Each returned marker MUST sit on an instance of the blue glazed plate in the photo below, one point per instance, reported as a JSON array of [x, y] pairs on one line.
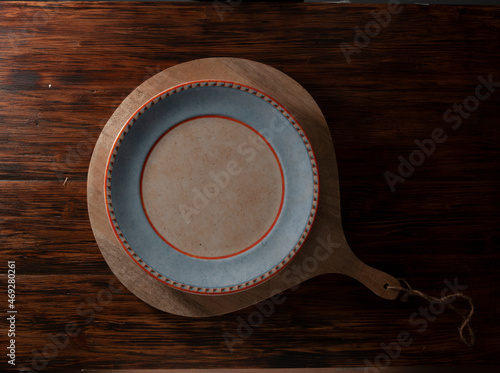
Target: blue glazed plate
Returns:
[[212, 187]]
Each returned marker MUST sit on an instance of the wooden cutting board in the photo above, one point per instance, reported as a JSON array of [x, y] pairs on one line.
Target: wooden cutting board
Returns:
[[325, 250]]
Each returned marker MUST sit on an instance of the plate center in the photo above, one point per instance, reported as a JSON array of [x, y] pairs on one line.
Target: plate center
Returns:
[[212, 187]]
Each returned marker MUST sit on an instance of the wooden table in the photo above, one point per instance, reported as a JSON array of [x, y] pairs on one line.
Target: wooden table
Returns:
[[64, 68]]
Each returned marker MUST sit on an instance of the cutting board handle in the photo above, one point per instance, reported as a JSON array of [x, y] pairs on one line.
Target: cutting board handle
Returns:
[[377, 281]]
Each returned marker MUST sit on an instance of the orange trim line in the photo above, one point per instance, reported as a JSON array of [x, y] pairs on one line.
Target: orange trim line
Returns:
[[243, 250], [106, 184]]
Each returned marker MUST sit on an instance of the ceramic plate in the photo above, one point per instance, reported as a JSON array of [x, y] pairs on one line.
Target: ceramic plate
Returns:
[[212, 187]]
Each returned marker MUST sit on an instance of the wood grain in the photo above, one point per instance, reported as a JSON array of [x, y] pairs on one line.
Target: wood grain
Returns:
[[441, 223]]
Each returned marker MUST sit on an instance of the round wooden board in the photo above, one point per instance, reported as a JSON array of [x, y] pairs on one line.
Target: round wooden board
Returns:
[[325, 251]]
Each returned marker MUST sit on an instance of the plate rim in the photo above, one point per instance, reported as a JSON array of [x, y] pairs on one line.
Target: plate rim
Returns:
[[131, 252]]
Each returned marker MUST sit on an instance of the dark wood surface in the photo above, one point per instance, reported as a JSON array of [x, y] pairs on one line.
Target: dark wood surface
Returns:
[[441, 223]]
